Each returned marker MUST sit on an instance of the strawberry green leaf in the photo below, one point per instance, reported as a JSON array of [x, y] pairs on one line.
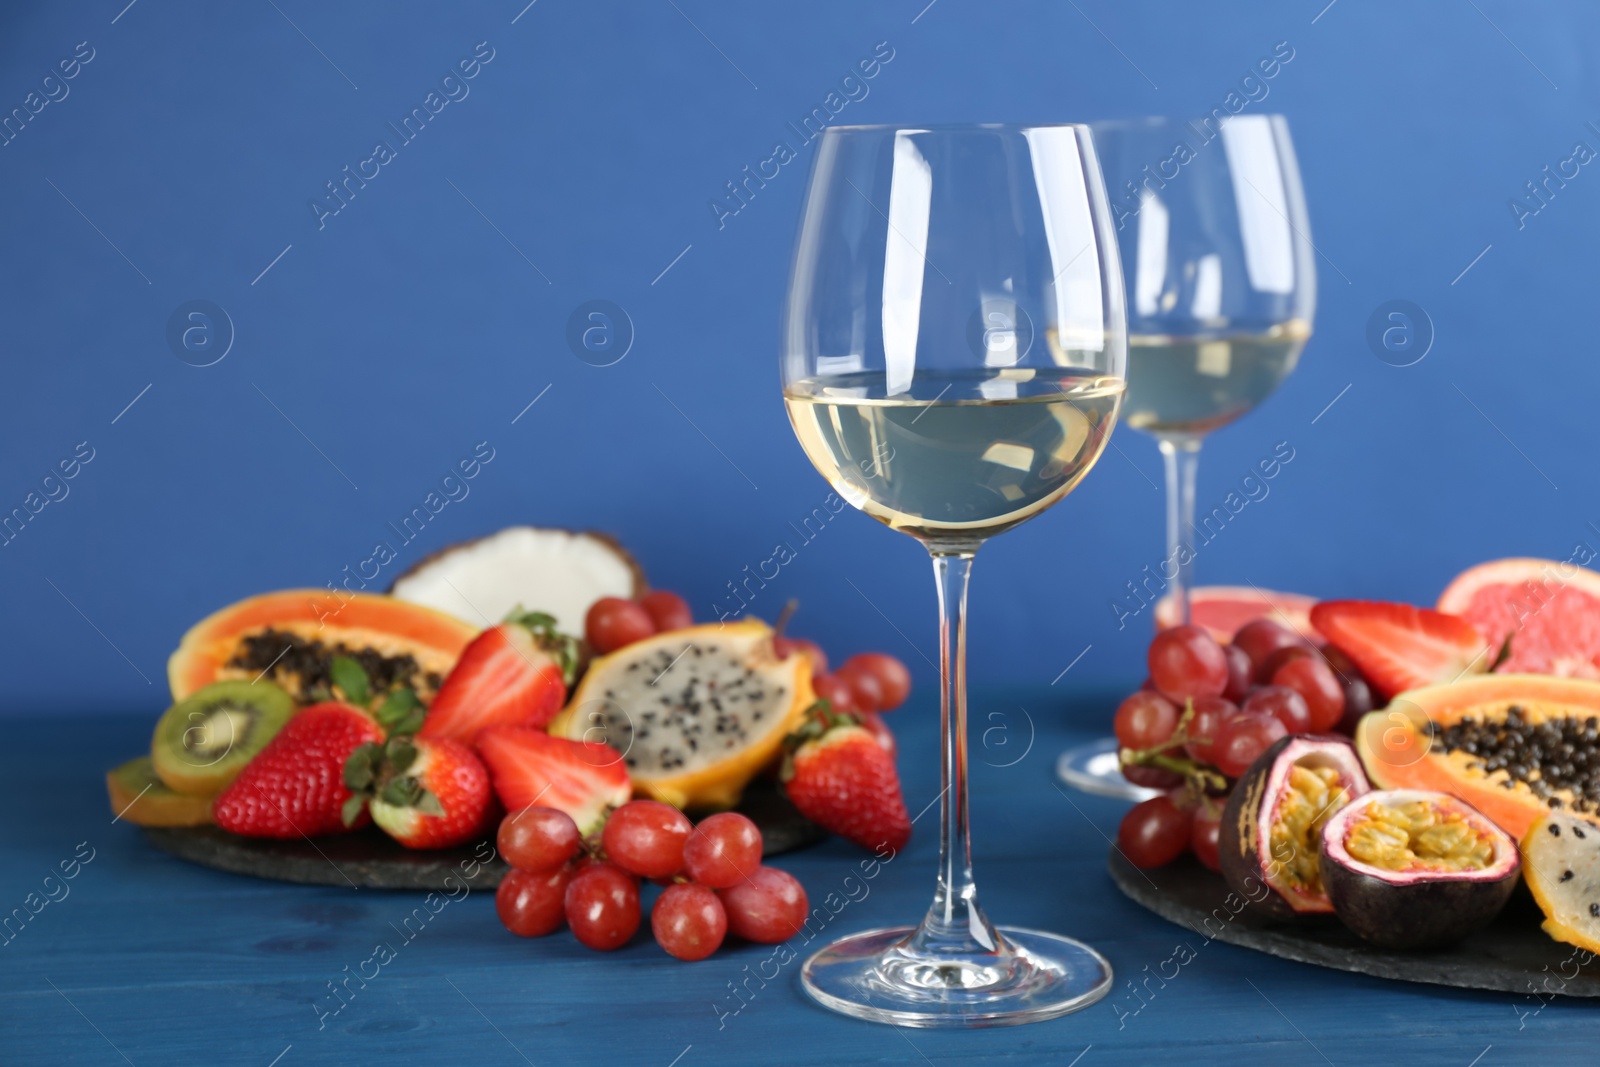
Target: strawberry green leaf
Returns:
[[349, 676], [397, 708], [400, 792], [352, 809], [410, 724], [564, 647], [399, 754], [534, 621], [361, 769]]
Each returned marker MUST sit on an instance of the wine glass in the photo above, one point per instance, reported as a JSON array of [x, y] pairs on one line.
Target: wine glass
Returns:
[[952, 356], [1221, 282]]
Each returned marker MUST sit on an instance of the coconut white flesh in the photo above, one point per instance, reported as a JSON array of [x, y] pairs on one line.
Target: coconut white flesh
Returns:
[[558, 572], [1337, 829], [1574, 846]]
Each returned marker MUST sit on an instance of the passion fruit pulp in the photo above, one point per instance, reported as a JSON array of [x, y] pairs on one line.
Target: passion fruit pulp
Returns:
[[1273, 823], [1409, 868]]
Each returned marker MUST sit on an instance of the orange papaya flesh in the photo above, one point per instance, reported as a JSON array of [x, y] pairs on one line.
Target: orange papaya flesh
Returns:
[[1514, 746], [290, 636]]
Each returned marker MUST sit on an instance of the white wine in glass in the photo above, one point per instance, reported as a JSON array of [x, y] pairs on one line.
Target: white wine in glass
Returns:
[[953, 353], [1189, 386], [971, 453]]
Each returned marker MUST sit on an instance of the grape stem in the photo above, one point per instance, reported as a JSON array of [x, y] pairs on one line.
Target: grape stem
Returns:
[[1196, 775]]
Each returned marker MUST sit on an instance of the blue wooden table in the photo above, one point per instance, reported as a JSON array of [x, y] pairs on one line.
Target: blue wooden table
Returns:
[[143, 959]]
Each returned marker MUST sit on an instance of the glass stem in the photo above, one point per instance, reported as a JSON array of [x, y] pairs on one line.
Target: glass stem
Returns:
[[1182, 460], [955, 923]]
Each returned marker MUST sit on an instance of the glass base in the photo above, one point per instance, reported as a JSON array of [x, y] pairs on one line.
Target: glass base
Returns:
[[1092, 768], [1031, 977]]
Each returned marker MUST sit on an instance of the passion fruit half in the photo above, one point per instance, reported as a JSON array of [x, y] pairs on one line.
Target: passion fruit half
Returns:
[[1409, 868], [1269, 842]]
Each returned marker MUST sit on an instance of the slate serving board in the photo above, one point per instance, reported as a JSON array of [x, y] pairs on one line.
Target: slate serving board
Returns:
[[1511, 955], [370, 859]]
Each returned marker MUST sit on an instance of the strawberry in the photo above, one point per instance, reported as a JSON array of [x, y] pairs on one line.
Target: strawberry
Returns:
[[585, 779], [295, 786], [1400, 647], [841, 777], [513, 674], [425, 792]]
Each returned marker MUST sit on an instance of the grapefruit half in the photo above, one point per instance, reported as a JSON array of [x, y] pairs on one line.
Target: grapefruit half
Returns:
[[1222, 609], [1549, 609]]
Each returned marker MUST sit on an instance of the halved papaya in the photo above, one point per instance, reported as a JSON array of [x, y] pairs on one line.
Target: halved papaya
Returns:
[[1514, 746], [291, 636]]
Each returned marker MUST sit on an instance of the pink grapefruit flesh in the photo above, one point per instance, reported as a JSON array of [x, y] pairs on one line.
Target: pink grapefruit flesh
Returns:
[[1222, 609], [1549, 609]]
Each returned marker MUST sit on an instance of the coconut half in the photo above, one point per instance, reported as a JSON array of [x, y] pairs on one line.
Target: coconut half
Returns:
[[559, 572]]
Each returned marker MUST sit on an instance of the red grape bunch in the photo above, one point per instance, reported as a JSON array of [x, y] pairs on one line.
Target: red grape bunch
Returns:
[[712, 873], [1207, 712]]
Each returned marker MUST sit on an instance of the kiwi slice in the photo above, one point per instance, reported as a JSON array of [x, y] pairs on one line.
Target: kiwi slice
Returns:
[[138, 796], [203, 741]]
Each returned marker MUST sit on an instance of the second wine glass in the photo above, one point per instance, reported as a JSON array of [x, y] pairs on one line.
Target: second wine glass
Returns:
[[1221, 282]]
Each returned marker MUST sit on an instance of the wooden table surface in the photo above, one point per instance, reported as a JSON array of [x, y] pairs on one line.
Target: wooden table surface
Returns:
[[143, 959]]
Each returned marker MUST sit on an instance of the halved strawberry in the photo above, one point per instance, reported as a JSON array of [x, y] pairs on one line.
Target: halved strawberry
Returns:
[[1400, 647], [585, 779], [513, 674]]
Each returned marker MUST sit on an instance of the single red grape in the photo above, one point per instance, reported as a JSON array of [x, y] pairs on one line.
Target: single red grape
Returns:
[[788, 646], [1144, 720], [1185, 661], [1312, 678], [1151, 777], [645, 837], [668, 611], [864, 684], [1260, 638], [1278, 659], [613, 623], [1205, 829], [874, 723], [835, 691], [689, 921], [1342, 665], [1357, 702], [602, 906], [537, 839], [770, 906], [722, 850], [1239, 672], [1243, 738], [893, 677], [1209, 715], [1282, 703], [1154, 833], [533, 903]]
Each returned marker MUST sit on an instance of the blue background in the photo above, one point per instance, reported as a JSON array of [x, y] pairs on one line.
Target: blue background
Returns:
[[411, 327]]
